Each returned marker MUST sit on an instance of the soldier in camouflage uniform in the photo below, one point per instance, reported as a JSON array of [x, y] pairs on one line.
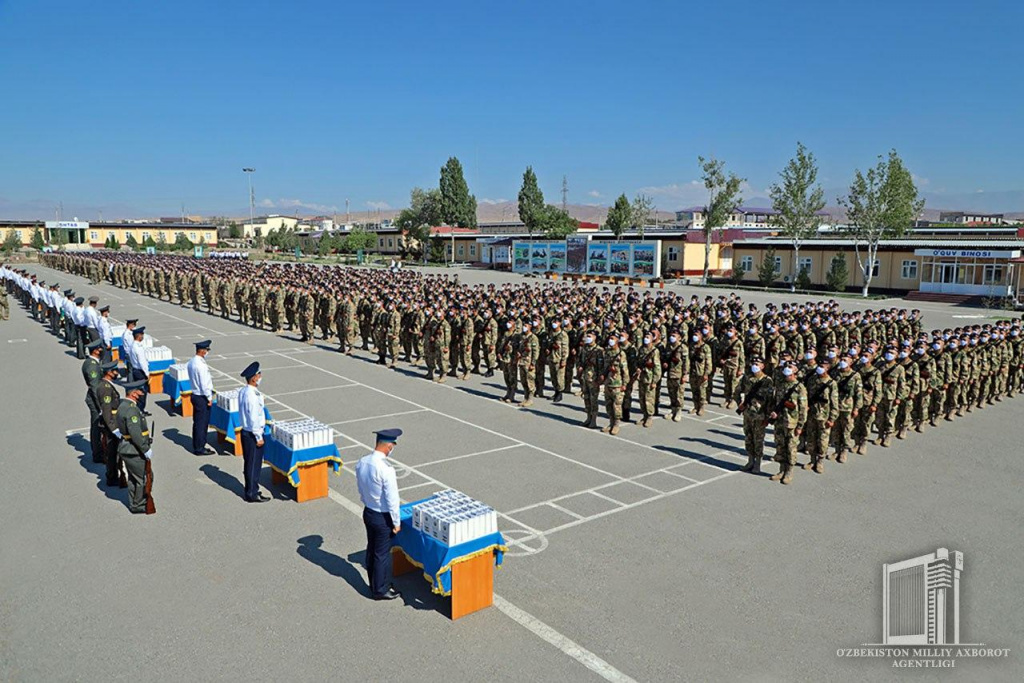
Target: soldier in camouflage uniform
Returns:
[[790, 416], [291, 306], [343, 322], [527, 356], [557, 357], [731, 360], [822, 412], [615, 373], [591, 365], [275, 307], [850, 390], [926, 368], [506, 349], [911, 390], [701, 365], [893, 387], [328, 305], [871, 391], [648, 373], [754, 395], [257, 304], [676, 365], [306, 315]]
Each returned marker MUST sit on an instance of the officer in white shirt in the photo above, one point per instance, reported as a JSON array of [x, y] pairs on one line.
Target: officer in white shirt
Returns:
[[68, 306], [140, 365], [78, 315], [378, 489], [127, 340], [106, 334], [254, 423], [201, 398], [92, 319]]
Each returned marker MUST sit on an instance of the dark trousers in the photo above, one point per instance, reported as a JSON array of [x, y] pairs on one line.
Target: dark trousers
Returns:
[[200, 422], [114, 473], [136, 376], [80, 341], [252, 463], [135, 466], [95, 429], [378, 550]]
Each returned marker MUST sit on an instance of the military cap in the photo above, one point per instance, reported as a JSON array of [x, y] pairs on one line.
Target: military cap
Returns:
[[107, 367], [251, 370], [388, 435], [132, 386], [139, 330], [205, 344], [79, 301], [98, 344], [69, 293], [757, 359], [105, 309], [94, 299], [131, 321]]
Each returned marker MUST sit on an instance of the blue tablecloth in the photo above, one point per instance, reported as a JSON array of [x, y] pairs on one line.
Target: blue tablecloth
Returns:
[[288, 462], [175, 389], [229, 423], [435, 558], [158, 366], [115, 342]]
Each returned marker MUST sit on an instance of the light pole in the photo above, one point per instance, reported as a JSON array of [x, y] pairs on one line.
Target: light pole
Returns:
[[252, 220]]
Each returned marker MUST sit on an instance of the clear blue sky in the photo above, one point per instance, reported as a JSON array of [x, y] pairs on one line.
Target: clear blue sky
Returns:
[[141, 105]]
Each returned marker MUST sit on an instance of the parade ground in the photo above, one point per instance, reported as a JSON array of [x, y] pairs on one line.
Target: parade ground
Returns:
[[645, 556]]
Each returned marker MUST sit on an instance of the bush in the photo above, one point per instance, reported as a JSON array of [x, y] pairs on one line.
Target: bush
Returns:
[[766, 271], [737, 275], [803, 279], [838, 274]]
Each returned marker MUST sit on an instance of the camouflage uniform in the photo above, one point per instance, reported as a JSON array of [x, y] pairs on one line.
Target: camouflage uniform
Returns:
[[755, 395]]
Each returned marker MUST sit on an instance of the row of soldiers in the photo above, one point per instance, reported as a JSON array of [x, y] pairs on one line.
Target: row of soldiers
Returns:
[[643, 347]]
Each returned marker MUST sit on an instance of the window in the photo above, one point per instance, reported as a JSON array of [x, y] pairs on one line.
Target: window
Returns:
[[145, 236], [992, 275], [778, 265], [391, 242], [805, 264], [110, 234], [93, 235], [673, 253], [472, 250], [192, 236], [909, 269], [747, 263], [17, 233], [209, 237], [874, 268]]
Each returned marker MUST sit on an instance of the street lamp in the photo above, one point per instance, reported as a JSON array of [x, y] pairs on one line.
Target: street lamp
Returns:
[[252, 197]]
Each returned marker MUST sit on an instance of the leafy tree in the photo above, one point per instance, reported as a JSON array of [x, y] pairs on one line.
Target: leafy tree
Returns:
[[620, 217], [132, 242], [458, 206], [838, 274], [437, 251], [640, 212], [112, 243], [161, 242], [766, 271], [724, 197], [423, 213], [234, 230], [797, 202], [59, 238], [556, 223], [12, 242], [737, 276], [37, 239], [148, 242], [360, 238], [532, 209], [325, 246], [882, 204]]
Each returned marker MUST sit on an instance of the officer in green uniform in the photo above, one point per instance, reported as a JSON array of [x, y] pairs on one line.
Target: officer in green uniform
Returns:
[[136, 447], [754, 396], [92, 372], [107, 398], [790, 415]]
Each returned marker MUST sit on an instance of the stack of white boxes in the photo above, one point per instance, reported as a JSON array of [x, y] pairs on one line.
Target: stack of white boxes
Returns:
[[228, 400], [179, 371], [117, 331], [298, 435], [454, 518], [158, 353]]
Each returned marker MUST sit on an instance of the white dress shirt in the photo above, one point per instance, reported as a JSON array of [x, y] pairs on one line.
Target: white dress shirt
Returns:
[[78, 316], [106, 334], [139, 360], [250, 411], [199, 377], [92, 318], [378, 485], [127, 339]]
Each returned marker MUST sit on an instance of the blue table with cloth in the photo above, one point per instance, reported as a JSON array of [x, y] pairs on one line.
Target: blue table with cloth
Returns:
[[435, 558], [228, 424], [176, 388], [287, 462]]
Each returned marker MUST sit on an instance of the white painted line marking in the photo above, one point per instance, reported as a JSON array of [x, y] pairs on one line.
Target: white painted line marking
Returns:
[[470, 455], [376, 417], [16, 341], [306, 391], [565, 510]]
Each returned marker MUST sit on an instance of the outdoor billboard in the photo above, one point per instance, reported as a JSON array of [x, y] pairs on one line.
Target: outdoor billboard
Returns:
[[580, 255]]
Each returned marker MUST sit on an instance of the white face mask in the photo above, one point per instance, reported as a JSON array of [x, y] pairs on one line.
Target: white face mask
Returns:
[[673, 339], [611, 343], [754, 369], [890, 356], [258, 380], [788, 372], [808, 356], [843, 365], [696, 339], [820, 370]]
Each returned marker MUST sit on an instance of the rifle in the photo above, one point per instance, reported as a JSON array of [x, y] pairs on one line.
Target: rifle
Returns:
[[147, 488], [785, 399]]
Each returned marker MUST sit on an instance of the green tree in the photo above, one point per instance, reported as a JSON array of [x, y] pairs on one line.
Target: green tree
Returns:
[[234, 230], [326, 245], [12, 242], [557, 224], [182, 243], [640, 213], [737, 276], [620, 217], [458, 206], [132, 242], [797, 202], [881, 204], [148, 242], [437, 251], [803, 279], [161, 242], [838, 274], [360, 238], [423, 213], [59, 238], [724, 197], [766, 270], [532, 209], [37, 239]]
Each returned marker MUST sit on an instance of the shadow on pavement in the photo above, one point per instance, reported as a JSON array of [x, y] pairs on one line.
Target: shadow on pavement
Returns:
[[175, 436], [81, 444], [223, 479]]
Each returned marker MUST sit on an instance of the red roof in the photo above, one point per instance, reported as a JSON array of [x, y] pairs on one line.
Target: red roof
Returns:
[[448, 230]]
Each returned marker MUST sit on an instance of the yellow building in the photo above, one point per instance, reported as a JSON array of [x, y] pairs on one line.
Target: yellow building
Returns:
[[959, 266], [86, 235]]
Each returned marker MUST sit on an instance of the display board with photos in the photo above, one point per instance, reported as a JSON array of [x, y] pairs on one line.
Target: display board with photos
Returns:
[[578, 255]]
